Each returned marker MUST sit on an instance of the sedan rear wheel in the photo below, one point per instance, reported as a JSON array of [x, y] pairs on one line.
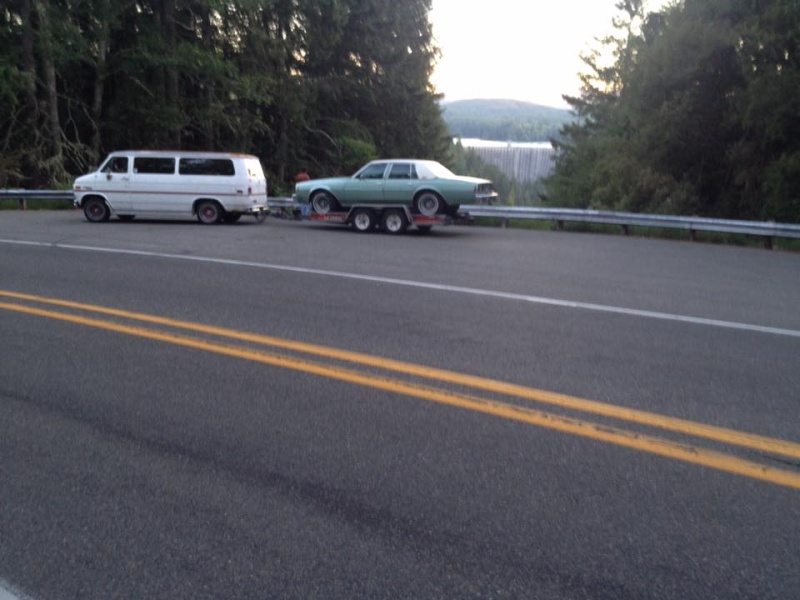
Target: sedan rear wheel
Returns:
[[428, 204], [364, 220]]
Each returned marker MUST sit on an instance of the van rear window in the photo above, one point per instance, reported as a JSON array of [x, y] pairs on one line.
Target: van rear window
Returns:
[[152, 164], [206, 166]]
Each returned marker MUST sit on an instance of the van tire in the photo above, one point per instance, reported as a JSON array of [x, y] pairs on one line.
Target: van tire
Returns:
[[96, 210], [209, 212]]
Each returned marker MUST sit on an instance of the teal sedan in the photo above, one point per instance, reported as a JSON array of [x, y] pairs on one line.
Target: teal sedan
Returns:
[[424, 187]]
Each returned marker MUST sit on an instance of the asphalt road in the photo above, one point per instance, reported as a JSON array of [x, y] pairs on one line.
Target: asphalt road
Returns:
[[293, 410]]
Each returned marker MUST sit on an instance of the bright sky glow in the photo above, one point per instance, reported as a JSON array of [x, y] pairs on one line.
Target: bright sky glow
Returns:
[[517, 49]]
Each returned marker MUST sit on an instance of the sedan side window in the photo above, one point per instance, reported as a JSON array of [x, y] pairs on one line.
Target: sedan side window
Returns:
[[402, 171], [373, 171]]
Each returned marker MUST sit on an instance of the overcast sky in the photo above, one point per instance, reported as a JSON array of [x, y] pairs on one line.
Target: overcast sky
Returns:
[[518, 49]]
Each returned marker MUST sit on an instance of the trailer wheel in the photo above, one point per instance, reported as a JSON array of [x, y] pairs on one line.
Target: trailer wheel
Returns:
[[364, 220], [428, 204], [323, 203], [394, 221]]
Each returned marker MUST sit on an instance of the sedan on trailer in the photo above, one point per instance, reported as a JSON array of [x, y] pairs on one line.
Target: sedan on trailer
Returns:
[[424, 187]]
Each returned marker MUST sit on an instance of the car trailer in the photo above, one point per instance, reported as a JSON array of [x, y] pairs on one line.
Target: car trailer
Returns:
[[389, 218]]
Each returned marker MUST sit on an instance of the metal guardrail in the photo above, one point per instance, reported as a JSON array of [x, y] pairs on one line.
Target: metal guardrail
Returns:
[[22, 196], [766, 229]]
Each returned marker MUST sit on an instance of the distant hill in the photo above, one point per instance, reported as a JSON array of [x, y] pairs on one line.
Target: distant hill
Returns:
[[504, 120]]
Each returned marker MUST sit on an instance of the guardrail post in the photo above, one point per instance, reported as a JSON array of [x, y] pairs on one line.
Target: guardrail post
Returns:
[[626, 230], [559, 225], [22, 204], [692, 235], [768, 242]]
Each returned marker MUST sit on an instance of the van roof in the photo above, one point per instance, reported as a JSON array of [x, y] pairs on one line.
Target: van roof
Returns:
[[182, 153]]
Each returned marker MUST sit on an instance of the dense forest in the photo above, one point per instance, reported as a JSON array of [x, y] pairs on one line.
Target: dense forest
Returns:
[[325, 84], [505, 120], [696, 114]]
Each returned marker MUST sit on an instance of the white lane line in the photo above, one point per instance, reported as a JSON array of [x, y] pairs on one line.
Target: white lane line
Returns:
[[631, 312]]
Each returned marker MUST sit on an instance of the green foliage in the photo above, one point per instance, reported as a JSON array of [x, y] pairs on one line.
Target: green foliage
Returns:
[[696, 115], [320, 83], [356, 153]]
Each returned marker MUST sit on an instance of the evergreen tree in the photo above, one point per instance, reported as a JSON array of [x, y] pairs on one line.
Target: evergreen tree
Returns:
[[322, 83], [695, 116]]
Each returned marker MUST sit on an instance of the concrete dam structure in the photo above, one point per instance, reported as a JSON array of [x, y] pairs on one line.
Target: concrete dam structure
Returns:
[[521, 162]]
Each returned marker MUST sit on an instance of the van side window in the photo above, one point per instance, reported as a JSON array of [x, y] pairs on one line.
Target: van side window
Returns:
[[147, 164], [206, 166]]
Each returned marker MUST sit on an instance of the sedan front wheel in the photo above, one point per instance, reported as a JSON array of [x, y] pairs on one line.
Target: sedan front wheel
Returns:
[[323, 203]]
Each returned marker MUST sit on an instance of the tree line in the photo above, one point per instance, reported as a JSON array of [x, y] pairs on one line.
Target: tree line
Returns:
[[325, 84], [696, 114]]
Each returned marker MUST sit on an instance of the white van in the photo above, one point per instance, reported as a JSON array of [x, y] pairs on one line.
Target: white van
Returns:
[[212, 186]]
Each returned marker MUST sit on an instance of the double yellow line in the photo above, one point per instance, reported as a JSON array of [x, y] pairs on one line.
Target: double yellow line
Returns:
[[687, 452]]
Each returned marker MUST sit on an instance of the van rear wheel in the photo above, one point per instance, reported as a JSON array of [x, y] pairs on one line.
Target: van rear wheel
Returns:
[[209, 212]]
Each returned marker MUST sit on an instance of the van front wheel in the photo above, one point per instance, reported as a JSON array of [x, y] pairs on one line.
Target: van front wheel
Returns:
[[209, 212], [95, 210]]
